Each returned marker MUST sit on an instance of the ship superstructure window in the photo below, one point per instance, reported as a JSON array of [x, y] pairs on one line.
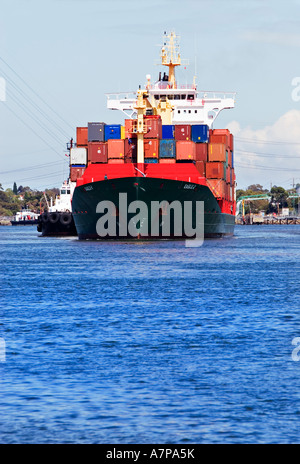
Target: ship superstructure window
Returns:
[[177, 97], [183, 96], [190, 97]]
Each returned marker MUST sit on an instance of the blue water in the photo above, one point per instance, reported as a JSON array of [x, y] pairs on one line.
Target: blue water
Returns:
[[150, 342]]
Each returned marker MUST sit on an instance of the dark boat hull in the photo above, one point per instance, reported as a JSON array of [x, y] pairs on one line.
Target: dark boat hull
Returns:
[[56, 224], [27, 222], [86, 198]]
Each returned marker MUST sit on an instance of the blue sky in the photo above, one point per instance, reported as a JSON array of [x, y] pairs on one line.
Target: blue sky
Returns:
[[59, 58]]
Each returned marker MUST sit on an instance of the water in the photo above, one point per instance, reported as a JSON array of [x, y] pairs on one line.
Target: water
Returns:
[[150, 342]]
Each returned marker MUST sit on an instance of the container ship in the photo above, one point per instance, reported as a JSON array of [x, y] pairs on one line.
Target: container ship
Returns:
[[166, 152]]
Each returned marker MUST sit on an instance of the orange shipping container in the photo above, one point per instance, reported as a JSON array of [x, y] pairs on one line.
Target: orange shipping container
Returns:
[[216, 152], [185, 150], [167, 160], [115, 148], [81, 136], [151, 148], [218, 187], [130, 127], [215, 170]]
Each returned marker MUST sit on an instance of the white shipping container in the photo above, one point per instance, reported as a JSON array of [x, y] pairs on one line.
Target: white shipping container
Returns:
[[78, 155]]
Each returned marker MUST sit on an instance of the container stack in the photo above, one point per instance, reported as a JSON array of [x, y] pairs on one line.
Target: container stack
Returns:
[[219, 167], [152, 137], [211, 151], [78, 155]]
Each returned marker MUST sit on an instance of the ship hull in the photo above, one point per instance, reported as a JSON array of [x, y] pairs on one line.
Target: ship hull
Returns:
[[87, 197], [56, 224]]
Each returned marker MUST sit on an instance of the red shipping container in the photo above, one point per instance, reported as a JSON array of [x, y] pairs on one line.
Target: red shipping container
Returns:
[[182, 132], [230, 142], [81, 136], [130, 151], [200, 165], [97, 152], [228, 175], [215, 170], [75, 173], [218, 187], [151, 148], [201, 151], [115, 148], [185, 150], [167, 160], [153, 126], [217, 152]]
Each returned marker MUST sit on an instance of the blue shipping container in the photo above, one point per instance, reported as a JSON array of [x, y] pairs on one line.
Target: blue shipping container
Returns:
[[112, 131], [200, 133], [168, 131], [167, 148], [150, 160]]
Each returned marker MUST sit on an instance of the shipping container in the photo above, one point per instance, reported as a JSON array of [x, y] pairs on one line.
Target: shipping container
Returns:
[[167, 160], [231, 142], [201, 151], [112, 131], [116, 161], [219, 138], [81, 136], [167, 148], [200, 165], [168, 131], [130, 150], [228, 172], [217, 152], [123, 132], [96, 131], [185, 150], [150, 160], [218, 187], [78, 156], [115, 148], [130, 128], [97, 152], [199, 133], [151, 148], [215, 170], [182, 132], [153, 126], [76, 172]]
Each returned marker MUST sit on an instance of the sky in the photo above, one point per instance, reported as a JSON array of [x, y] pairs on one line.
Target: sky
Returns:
[[58, 59]]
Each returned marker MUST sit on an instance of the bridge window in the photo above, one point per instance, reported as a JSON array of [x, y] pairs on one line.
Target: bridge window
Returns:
[[176, 97], [190, 97], [183, 96]]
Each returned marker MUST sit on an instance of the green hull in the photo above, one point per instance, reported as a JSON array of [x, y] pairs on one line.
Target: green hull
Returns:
[[86, 198]]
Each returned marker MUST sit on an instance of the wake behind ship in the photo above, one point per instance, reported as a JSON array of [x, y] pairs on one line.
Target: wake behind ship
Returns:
[[135, 181]]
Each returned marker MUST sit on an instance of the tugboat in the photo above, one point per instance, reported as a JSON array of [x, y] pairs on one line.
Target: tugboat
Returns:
[[58, 220], [25, 217]]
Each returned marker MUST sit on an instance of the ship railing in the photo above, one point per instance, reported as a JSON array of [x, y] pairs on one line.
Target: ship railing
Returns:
[[204, 94]]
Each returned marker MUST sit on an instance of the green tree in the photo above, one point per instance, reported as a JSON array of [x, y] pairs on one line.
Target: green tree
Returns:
[[15, 189]]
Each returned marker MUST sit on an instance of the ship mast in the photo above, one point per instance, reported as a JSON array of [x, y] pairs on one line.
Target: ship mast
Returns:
[[170, 57]]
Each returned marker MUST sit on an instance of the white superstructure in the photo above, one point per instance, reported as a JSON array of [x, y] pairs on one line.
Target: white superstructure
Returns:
[[188, 106]]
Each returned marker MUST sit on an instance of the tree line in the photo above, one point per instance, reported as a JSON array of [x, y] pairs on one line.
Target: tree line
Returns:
[[278, 198], [14, 199]]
